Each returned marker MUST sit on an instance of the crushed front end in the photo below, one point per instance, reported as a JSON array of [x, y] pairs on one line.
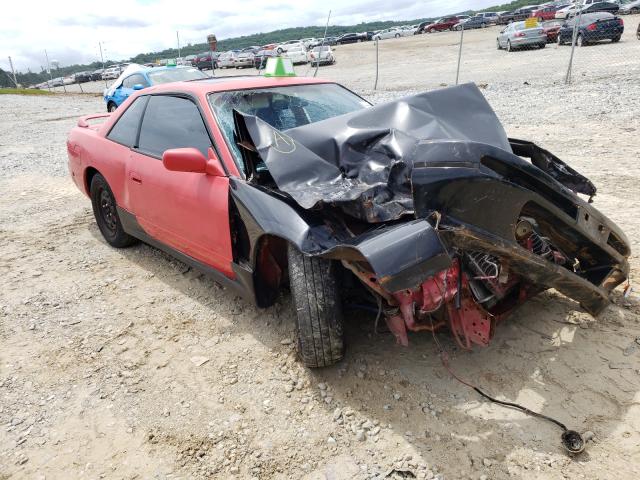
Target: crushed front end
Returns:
[[443, 218]]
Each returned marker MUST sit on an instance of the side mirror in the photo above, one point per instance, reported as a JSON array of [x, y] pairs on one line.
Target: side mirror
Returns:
[[138, 86], [192, 160]]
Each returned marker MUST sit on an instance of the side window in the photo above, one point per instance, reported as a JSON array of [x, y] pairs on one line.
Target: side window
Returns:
[[125, 130], [134, 79], [172, 122]]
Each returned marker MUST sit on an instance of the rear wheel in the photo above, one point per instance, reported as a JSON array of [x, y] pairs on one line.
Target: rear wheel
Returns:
[[580, 41], [111, 107], [542, 45], [559, 39], [106, 213], [509, 47], [615, 39], [484, 25], [316, 297], [498, 44]]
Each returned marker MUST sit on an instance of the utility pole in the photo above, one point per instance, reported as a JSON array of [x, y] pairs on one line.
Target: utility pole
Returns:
[[13, 72], [48, 70], [102, 60], [178, 38]]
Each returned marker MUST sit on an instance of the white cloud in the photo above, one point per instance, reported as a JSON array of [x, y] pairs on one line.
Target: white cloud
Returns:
[[71, 29]]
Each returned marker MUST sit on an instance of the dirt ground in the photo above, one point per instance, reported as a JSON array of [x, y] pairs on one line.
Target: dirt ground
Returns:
[[127, 364]]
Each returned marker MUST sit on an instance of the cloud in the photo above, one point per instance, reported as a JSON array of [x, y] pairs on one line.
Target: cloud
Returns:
[[150, 25], [102, 21]]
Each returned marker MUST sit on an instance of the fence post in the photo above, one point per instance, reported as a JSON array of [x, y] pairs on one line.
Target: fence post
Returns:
[[375, 85], [574, 36], [459, 53]]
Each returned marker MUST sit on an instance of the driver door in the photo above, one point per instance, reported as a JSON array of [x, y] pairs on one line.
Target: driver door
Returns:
[[186, 211]]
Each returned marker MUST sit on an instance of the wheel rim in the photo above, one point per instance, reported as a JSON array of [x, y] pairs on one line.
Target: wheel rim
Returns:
[[108, 211], [509, 46], [579, 41], [112, 108]]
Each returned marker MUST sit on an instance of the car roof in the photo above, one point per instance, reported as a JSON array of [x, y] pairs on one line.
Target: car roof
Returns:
[[223, 84]]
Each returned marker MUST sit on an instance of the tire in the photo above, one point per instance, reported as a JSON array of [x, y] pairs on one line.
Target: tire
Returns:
[[542, 45], [580, 42], [483, 25], [615, 39], [106, 214], [397, 35], [559, 40], [316, 297], [279, 51], [509, 47], [111, 107], [498, 44]]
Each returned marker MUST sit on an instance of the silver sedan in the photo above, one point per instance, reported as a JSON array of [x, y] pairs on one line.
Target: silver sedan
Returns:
[[515, 35]]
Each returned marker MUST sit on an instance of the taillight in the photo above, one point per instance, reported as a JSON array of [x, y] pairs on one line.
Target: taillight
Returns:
[[520, 34], [592, 27], [620, 22]]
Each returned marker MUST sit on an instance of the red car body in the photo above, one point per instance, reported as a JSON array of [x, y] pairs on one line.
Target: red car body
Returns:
[[546, 13], [157, 198], [446, 23]]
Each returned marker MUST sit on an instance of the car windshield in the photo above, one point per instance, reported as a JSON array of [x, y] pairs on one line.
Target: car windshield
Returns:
[[175, 75], [283, 107]]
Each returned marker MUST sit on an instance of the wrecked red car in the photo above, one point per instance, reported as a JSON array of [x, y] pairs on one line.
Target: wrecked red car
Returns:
[[421, 208]]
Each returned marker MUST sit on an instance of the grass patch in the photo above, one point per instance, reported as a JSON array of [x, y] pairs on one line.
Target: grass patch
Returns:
[[23, 91]]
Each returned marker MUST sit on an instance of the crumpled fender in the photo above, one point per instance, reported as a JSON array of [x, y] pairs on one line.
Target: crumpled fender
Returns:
[[400, 255]]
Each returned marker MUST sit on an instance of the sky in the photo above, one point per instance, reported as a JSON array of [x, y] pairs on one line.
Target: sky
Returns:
[[70, 30]]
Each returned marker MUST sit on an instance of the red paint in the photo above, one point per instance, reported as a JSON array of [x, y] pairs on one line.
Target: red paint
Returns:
[[185, 210]]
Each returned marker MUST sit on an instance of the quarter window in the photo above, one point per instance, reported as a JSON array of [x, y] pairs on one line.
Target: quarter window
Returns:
[[125, 130], [172, 122], [132, 80]]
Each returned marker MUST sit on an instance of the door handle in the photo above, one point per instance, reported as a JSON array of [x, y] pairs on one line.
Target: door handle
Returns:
[[135, 177]]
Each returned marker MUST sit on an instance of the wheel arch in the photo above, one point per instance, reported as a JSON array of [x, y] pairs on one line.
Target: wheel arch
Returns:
[[89, 173]]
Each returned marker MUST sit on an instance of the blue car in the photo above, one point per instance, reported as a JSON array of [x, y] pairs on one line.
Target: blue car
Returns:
[[141, 78]]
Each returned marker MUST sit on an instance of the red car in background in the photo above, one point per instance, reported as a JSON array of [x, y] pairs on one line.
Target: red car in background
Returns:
[[445, 23], [547, 13], [551, 28]]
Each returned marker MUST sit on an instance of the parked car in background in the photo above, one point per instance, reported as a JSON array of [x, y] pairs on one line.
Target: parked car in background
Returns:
[[111, 73], [226, 60], [547, 12], [421, 26], [297, 54], [516, 35], [551, 28], [82, 77], [308, 42], [592, 27], [244, 59], [331, 41], [141, 78], [96, 75], [322, 55], [564, 12], [261, 57], [393, 32], [442, 24], [206, 60], [516, 15], [283, 47], [630, 8], [609, 7], [473, 22], [351, 38], [491, 17]]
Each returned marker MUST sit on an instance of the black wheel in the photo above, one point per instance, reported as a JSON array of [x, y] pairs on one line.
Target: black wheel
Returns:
[[498, 44], [615, 39], [580, 42], [560, 42], [111, 107], [280, 51], [509, 48], [483, 25], [542, 45], [106, 214], [316, 297]]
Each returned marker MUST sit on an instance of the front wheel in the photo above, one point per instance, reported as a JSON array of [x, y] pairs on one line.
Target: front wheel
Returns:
[[316, 297], [509, 47], [111, 107], [615, 39], [498, 45], [580, 41], [106, 213], [543, 45]]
